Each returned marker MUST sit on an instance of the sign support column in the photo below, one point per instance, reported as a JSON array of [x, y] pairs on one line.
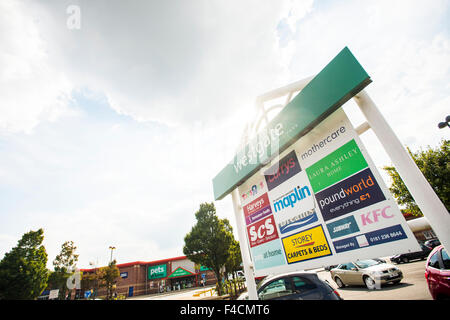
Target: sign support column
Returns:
[[248, 266], [432, 207]]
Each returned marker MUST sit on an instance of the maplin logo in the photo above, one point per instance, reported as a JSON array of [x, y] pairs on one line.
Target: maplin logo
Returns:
[[291, 198]]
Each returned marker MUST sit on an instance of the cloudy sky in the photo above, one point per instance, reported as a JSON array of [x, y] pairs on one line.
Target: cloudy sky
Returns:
[[113, 125]]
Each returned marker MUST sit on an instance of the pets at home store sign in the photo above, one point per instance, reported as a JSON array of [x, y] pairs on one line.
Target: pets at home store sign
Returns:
[[321, 202]]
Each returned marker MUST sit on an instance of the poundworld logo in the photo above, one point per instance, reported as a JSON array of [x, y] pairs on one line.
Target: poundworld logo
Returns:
[[291, 198]]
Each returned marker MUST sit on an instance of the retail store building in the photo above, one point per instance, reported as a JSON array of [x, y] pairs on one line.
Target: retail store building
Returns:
[[140, 278]]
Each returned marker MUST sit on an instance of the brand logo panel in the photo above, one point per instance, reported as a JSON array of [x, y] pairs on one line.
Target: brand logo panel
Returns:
[[372, 238], [258, 215], [306, 245], [291, 198], [256, 205], [282, 171], [342, 227], [262, 231], [156, 272], [268, 255], [336, 166], [358, 191], [255, 189], [297, 221]]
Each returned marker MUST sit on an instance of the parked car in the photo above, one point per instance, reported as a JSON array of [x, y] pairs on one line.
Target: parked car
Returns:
[[295, 286], [365, 272], [328, 268], [432, 243], [437, 273], [406, 257]]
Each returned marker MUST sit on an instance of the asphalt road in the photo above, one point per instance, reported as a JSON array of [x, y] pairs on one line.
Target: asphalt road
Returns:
[[188, 294], [412, 287]]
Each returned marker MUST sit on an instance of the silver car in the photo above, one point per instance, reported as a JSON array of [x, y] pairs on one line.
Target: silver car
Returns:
[[365, 272]]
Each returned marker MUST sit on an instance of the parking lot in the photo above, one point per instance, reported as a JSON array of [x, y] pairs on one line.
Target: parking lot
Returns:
[[412, 287]]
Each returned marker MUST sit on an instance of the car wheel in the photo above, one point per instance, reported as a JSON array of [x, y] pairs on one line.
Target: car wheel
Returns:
[[369, 282], [339, 282], [405, 260]]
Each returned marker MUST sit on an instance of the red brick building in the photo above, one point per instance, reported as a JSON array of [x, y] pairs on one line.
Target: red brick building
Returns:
[[140, 278]]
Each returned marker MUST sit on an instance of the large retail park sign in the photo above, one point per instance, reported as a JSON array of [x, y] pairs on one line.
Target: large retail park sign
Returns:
[[321, 202], [311, 196]]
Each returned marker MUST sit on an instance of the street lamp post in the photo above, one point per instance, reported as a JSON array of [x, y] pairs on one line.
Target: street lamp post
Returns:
[[112, 248]]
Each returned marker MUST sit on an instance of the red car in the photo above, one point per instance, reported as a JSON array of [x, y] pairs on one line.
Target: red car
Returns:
[[437, 273]]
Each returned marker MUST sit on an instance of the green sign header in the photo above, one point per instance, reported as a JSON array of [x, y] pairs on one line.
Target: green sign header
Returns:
[[339, 81], [180, 272]]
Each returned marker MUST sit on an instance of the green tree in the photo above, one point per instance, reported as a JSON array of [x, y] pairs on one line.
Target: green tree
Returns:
[[208, 243], [64, 264], [435, 166], [23, 271], [108, 278], [234, 261]]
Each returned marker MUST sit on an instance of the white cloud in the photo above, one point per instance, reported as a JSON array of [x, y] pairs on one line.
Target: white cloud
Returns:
[[182, 80], [32, 90]]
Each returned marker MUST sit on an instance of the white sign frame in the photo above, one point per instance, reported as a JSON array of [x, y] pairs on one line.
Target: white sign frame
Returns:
[[427, 200]]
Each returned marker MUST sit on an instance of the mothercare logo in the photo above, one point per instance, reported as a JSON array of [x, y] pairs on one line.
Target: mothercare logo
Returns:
[[291, 198], [322, 143], [338, 165], [358, 191], [283, 170]]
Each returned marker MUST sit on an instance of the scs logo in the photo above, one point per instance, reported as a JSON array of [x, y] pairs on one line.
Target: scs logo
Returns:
[[262, 231]]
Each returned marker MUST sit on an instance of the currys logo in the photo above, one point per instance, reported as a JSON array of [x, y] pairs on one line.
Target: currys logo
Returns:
[[291, 198], [283, 170]]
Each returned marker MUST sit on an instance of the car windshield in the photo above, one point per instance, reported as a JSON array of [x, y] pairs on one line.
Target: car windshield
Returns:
[[263, 281], [366, 263]]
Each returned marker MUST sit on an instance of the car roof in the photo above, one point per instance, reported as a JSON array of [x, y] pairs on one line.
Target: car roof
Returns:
[[286, 274], [437, 248]]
